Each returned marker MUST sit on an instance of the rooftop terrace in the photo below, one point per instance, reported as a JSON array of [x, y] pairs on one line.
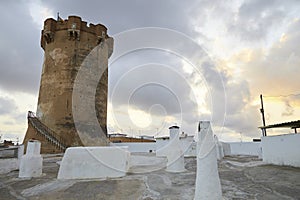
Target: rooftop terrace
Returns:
[[242, 177]]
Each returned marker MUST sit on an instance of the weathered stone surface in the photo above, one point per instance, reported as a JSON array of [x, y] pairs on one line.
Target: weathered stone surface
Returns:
[[242, 177], [67, 43]]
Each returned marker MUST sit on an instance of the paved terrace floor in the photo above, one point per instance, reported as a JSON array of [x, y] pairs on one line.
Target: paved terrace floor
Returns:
[[242, 177]]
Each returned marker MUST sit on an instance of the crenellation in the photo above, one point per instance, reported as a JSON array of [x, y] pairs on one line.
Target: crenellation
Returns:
[[50, 25], [54, 25], [47, 35], [74, 20], [74, 27], [84, 24]]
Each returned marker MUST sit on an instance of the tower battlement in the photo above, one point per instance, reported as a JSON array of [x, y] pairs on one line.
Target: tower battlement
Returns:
[[73, 26]]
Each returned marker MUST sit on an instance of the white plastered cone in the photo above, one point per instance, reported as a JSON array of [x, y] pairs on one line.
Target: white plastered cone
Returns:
[[207, 181]]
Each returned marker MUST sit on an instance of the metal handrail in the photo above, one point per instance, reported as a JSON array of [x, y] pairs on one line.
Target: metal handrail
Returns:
[[45, 131]]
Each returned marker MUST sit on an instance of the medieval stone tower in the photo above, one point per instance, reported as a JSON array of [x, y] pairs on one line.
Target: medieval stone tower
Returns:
[[66, 44]]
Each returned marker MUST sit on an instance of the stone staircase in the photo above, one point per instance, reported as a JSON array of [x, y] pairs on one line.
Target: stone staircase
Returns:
[[41, 129]]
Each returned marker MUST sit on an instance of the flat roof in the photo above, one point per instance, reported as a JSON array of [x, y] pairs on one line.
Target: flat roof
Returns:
[[291, 124]]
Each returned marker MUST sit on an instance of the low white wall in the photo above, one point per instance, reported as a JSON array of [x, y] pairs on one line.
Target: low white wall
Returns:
[[94, 162], [191, 151], [137, 147], [8, 152], [160, 143], [187, 144], [226, 148], [282, 149], [7, 165], [244, 148]]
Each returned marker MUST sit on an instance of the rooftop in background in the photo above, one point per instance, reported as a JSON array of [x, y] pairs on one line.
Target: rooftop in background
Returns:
[[117, 135], [293, 125], [120, 137]]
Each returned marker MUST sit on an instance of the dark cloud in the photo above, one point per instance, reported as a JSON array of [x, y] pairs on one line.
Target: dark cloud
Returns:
[[10, 111], [123, 15], [230, 102], [289, 110], [216, 98], [246, 121], [256, 20], [227, 99], [7, 106], [249, 21], [152, 81], [20, 54]]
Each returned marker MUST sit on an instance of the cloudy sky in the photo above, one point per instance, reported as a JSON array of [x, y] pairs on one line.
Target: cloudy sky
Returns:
[[209, 60]]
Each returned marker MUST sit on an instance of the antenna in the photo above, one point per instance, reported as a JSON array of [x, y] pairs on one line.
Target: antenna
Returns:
[[264, 132], [59, 19]]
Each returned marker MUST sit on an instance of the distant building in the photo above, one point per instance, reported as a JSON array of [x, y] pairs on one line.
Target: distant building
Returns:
[[6, 143], [123, 138]]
